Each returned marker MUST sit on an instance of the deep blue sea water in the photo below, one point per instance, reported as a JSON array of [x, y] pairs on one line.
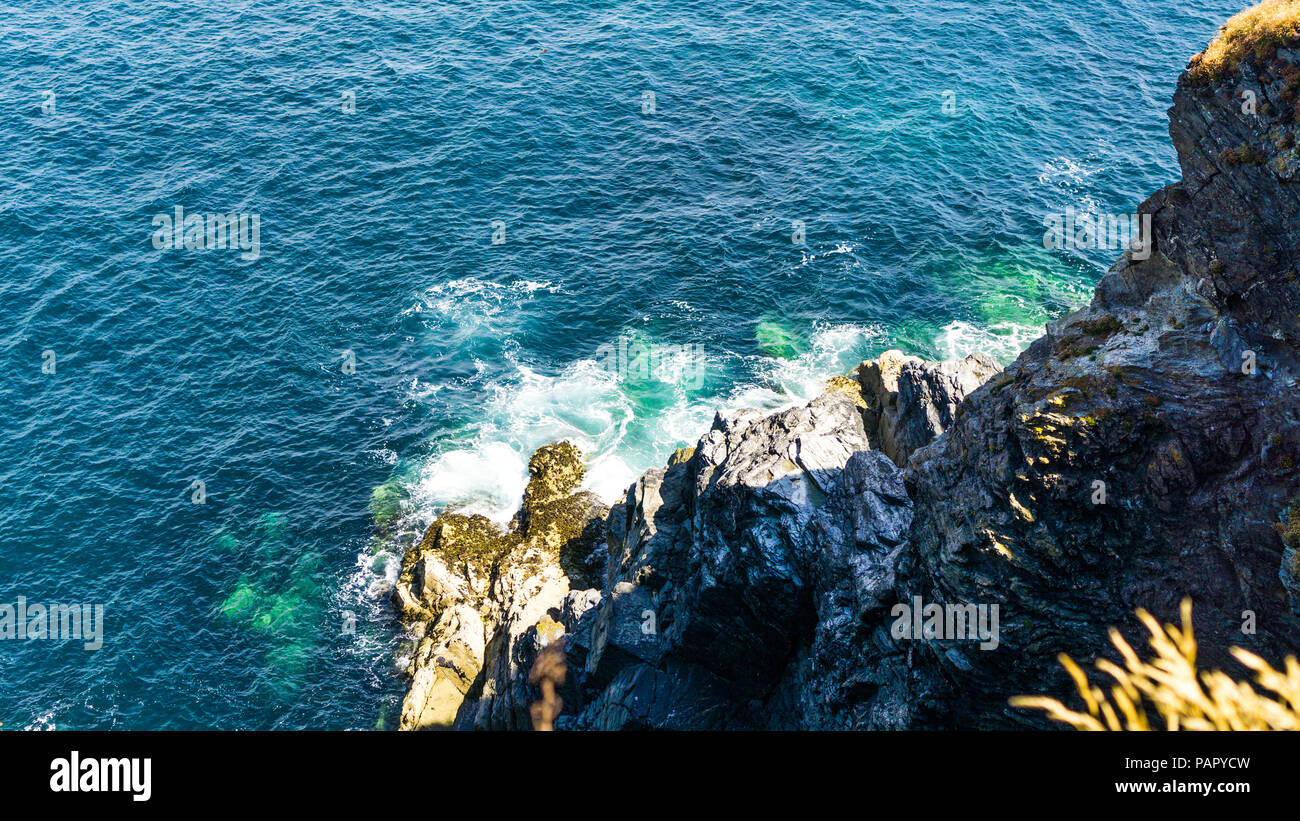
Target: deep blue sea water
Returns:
[[618, 222]]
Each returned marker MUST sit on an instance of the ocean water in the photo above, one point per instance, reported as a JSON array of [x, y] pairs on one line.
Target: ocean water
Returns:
[[464, 212]]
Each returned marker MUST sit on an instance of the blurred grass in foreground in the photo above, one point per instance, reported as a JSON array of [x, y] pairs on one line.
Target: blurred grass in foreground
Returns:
[[1170, 686]]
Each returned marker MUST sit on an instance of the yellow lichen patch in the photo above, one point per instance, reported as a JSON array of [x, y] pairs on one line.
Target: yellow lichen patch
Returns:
[[1060, 399], [460, 539], [1181, 696], [998, 546], [1047, 545], [554, 472], [1170, 461], [551, 516], [1047, 430], [847, 386], [1290, 529], [548, 630], [1257, 30], [1021, 511]]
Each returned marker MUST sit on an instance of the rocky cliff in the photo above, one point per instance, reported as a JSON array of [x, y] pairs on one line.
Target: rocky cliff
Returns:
[[1142, 450]]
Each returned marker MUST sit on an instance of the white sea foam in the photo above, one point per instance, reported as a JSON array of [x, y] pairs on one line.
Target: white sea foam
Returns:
[[1065, 171], [832, 350], [623, 424], [470, 303], [1003, 340], [487, 477], [45, 721]]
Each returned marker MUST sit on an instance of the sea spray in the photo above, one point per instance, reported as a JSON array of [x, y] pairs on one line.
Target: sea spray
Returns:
[[625, 422]]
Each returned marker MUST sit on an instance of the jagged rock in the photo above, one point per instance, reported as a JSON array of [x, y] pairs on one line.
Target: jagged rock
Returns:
[[445, 666], [928, 395], [480, 601], [751, 564], [908, 401], [879, 380]]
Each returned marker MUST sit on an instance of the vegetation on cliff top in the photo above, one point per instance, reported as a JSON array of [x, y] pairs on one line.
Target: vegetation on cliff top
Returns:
[[1258, 30], [1183, 697]]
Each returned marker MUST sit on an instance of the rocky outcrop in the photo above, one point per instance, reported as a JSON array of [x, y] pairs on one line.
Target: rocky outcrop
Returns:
[[722, 567], [909, 402], [1141, 451], [480, 602], [734, 583], [749, 585]]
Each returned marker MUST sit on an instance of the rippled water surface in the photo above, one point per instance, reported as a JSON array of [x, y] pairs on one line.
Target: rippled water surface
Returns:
[[664, 224]]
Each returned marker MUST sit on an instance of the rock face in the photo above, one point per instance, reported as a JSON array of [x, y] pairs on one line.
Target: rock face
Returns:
[[739, 569], [910, 402], [480, 601], [1141, 451]]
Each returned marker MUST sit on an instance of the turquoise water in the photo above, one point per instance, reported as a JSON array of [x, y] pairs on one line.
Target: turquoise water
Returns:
[[668, 226]]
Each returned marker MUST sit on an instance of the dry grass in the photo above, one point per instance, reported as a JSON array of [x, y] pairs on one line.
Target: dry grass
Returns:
[[1257, 30], [1171, 688]]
